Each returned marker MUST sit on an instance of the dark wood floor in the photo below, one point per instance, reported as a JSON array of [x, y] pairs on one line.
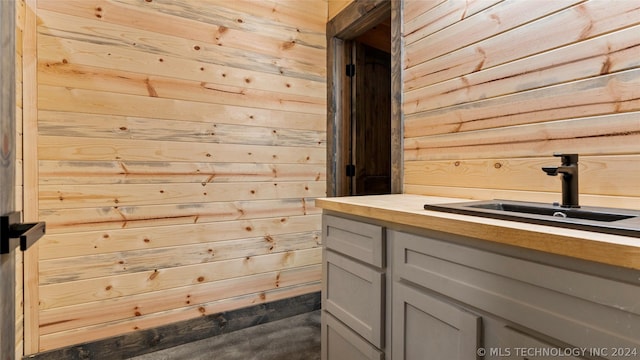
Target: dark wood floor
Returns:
[[293, 338]]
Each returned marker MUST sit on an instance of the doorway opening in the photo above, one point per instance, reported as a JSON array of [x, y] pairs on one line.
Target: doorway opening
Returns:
[[363, 129], [369, 72]]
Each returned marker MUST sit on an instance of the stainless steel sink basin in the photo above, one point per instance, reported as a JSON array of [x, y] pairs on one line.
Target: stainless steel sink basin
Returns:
[[598, 219]]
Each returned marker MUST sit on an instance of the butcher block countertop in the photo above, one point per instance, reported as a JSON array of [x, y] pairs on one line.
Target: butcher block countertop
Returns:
[[408, 210]]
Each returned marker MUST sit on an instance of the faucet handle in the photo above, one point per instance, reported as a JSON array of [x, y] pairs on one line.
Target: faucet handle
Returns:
[[567, 159]]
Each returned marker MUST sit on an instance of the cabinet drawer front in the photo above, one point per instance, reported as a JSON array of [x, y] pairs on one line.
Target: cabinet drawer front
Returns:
[[341, 343], [354, 294], [423, 324], [355, 239]]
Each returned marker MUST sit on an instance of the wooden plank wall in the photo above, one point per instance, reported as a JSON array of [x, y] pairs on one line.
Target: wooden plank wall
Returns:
[[493, 88], [181, 145]]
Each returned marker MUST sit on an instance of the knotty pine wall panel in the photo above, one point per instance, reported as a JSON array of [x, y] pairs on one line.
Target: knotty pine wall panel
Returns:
[[181, 145], [493, 88]]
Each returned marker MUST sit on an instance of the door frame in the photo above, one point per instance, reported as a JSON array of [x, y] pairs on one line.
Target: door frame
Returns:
[[352, 21], [8, 175]]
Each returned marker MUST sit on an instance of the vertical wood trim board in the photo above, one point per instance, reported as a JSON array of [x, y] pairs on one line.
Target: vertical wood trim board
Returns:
[[397, 95], [20, 14], [492, 90], [30, 174], [180, 147], [9, 143]]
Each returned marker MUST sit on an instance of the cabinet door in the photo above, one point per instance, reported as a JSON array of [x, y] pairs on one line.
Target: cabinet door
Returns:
[[425, 327], [341, 343], [502, 341], [354, 294]]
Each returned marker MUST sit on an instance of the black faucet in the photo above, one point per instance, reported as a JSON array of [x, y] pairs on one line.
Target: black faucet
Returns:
[[569, 171]]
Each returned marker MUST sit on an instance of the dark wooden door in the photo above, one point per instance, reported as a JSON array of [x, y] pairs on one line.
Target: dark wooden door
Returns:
[[7, 174], [371, 121]]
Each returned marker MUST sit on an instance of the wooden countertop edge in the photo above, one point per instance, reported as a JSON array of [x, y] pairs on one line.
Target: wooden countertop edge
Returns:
[[617, 253]]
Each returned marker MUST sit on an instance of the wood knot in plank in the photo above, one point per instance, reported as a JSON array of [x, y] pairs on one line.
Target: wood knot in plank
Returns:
[[606, 66], [288, 257], [154, 274], [288, 45], [482, 60], [152, 92]]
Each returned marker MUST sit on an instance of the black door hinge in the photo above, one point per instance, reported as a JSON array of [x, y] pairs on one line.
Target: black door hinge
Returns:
[[351, 70], [351, 170]]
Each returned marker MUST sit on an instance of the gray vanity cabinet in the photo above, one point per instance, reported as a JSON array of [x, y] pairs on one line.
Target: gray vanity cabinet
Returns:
[[525, 307], [401, 293], [353, 290]]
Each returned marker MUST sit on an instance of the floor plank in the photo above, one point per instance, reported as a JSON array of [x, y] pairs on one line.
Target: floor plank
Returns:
[[293, 338]]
